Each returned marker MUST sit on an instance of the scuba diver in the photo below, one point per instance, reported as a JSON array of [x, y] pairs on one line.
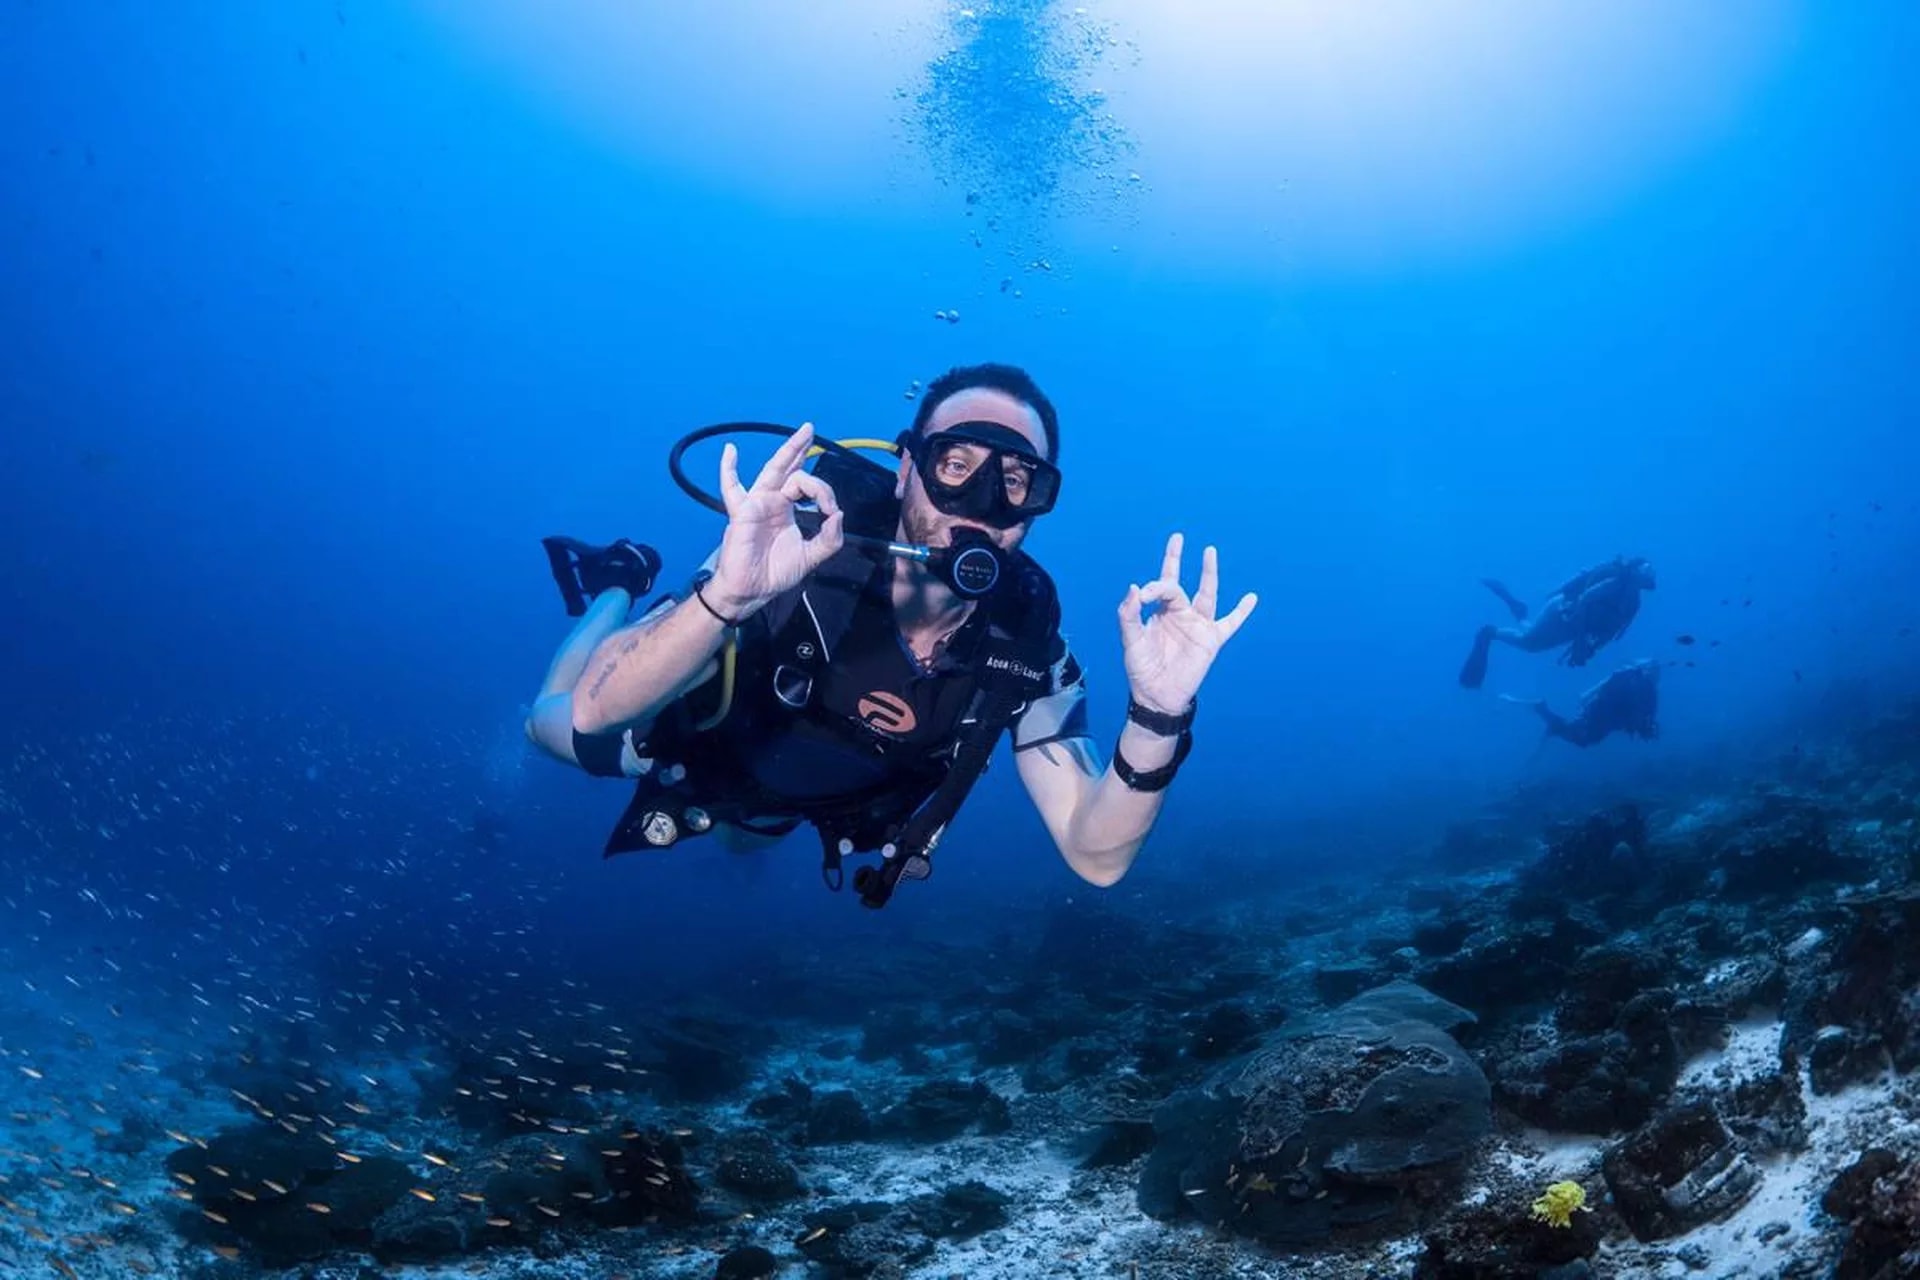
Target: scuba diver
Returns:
[[859, 642], [1589, 611], [1628, 701]]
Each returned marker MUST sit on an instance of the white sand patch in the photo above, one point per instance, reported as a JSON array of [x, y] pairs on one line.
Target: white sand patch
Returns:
[[1841, 1127], [1537, 1154], [1753, 1050]]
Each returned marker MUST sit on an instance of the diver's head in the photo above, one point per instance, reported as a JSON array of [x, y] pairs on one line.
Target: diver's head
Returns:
[[980, 455]]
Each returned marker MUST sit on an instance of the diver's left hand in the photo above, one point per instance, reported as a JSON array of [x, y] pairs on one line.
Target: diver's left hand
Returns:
[[1168, 655]]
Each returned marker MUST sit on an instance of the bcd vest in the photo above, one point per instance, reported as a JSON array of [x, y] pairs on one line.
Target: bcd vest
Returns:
[[695, 777]]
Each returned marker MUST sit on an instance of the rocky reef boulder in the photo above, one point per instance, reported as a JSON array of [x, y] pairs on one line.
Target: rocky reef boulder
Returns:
[[254, 1187], [1601, 1083], [1878, 1197], [1327, 1125], [1869, 988], [1680, 1171]]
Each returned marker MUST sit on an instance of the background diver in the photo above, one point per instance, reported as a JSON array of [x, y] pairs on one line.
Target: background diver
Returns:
[[1587, 612], [1628, 701], [801, 677]]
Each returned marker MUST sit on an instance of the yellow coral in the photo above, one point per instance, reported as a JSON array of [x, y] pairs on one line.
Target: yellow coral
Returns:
[[1556, 1208]]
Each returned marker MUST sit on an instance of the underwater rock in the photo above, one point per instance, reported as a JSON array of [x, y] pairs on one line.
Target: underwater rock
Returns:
[[1119, 1108], [1893, 738], [499, 1108], [790, 1106], [1511, 969], [610, 1179], [960, 1212], [1009, 1037], [1442, 937], [1754, 983], [1871, 984], [1839, 1058], [1768, 1114], [1781, 847], [751, 1164], [1601, 855], [1699, 1027], [138, 1132], [703, 1058], [646, 1173], [941, 1110], [277, 1226], [1879, 1198], [413, 1231], [1680, 1171], [533, 1187], [1222, 1032], [1597, 1084], [1600, 983], [1159, 1049], [1338, 983], [866, 1238], [748, 1263], [1066, 1064], [837, 1116], [1505, 1243], [1115, 1142], [900, 1034], [1851, 1190], [1324, 1127]]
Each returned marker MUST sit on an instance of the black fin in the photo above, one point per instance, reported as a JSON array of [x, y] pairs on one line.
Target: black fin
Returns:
[[583, 571], [1474, 673], [562, 556]]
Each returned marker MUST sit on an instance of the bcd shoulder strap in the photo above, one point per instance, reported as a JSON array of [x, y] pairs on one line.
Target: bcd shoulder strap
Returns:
[[1012, 667], [807, 624]]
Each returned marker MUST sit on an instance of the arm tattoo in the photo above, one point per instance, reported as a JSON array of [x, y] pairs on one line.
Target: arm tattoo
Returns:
[[627, 646], [600, 681]]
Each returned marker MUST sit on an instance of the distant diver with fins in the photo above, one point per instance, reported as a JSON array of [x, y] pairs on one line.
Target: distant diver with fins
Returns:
[[1589, 611], [1628, 701]]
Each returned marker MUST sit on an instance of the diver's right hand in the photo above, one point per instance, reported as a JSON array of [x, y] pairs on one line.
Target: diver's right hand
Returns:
[[763, 551]]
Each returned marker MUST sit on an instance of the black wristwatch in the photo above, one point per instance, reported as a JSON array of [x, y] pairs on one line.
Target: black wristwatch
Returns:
[[1152, 779], [1167, 726]]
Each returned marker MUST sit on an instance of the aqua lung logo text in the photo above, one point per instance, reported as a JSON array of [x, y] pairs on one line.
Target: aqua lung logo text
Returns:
[[1020, 669]]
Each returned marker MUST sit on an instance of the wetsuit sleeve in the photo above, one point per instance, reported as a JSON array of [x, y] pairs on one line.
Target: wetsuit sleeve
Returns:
[[608, 755], [1059, 714]]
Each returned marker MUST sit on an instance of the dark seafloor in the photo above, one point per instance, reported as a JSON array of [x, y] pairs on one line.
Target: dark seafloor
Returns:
[[1699, 1003]]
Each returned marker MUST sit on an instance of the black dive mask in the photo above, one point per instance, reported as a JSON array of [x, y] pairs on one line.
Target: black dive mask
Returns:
[[983, 471]]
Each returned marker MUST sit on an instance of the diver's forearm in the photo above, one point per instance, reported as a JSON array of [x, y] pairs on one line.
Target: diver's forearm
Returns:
[[635, 672], [1108, 830]]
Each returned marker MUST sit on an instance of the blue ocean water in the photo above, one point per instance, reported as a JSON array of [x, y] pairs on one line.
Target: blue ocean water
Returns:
[[320, 315]]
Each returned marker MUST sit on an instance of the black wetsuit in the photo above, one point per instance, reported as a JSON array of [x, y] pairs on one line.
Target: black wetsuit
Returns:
[[861, 726], [1628, 701]]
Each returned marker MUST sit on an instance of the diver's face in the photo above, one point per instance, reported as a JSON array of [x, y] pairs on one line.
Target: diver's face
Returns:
[[923, 523]]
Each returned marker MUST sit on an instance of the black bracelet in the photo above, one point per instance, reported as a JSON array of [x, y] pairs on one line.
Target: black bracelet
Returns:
[[725, 621], [1152, 779], [1160, 722]]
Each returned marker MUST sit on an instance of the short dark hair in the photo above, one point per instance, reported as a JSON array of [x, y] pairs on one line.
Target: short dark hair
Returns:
[[1007, 378]]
